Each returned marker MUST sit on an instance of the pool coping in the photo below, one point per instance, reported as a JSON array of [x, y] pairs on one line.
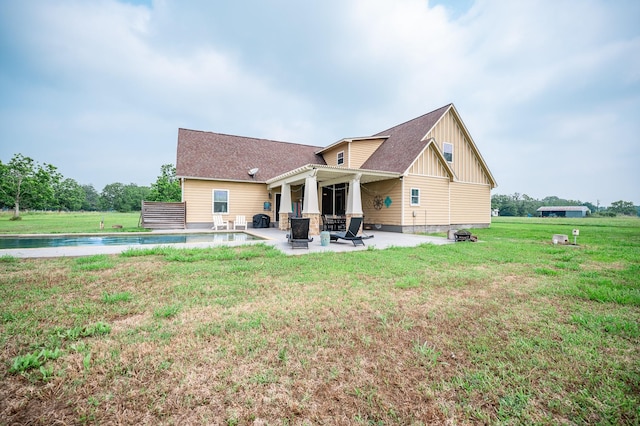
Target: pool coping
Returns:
[[270, 236]]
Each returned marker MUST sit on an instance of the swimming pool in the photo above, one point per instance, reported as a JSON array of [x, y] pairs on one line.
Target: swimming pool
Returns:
[[19, 242]]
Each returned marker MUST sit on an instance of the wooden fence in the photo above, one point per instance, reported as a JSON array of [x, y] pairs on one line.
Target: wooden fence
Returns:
[[158, 215]]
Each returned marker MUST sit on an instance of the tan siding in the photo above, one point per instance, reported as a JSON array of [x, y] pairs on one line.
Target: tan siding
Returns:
[[387, 215], [361, 150], [331, 156], [465, 161], [434, 201], [428, 164], [244, 199], [470, 204]]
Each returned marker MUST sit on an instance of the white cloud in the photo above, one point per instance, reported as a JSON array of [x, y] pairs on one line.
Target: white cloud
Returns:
[[532, 80]]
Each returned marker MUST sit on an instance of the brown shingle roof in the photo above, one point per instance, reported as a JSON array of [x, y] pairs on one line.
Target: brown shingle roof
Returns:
[[210, 155], [404, 144]]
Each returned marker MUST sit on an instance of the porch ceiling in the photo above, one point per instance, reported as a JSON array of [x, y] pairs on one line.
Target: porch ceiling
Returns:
[[329, 175]]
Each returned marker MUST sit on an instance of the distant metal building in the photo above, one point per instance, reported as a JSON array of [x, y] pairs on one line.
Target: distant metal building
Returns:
[[563, 211]]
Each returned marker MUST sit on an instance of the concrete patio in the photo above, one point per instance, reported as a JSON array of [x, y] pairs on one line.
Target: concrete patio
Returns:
[[271, 236]]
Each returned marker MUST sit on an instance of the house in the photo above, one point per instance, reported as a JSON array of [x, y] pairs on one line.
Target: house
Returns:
[[563, 211], [426, 174]]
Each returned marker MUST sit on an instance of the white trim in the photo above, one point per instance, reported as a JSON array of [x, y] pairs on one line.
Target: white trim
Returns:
[[444, 151], [447, 167], [474, 147], [344, 140], [338, 163], [449, 202], [402, 203], [472, 183], [343, 174], [411, 203], [220, 179], [213, 200], [420, 175]]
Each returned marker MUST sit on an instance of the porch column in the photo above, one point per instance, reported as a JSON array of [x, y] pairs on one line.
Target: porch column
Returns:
[[310, 208], [354, 199], [285, 207]]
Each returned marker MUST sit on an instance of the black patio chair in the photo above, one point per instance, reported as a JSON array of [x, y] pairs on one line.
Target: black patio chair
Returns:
[[351, 234], [299, 236]]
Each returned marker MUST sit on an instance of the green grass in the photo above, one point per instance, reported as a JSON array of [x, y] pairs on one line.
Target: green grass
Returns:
[[509, 330], [68, 223]]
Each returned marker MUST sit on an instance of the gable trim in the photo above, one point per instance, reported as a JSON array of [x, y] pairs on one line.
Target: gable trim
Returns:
[[349, 140], [440, 157], [474, 147]]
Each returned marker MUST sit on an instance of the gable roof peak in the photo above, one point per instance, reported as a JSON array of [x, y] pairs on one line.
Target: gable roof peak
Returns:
[[432, 116], [404, 143]]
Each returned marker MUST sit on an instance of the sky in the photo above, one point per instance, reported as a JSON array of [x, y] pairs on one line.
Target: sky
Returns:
[[548, 89]]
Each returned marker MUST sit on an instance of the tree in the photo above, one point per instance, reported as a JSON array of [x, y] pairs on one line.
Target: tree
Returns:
[[623, 207], [505, 204], [91, 198], [123, 198], [590, 206], [69, 195], [17, 180], [110, 196], [42, 194], [167, 186], [133, 196]]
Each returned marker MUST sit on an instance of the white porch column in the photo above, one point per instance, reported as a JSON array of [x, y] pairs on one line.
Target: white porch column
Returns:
[[310, 208], [285, 206], [311, 196], [354, 199]]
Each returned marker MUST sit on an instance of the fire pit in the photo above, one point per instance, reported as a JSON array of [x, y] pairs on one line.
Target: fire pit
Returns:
[[462, 235]]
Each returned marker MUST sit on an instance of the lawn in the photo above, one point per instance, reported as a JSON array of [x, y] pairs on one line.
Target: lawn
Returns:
[[509, 330], [65, 222]]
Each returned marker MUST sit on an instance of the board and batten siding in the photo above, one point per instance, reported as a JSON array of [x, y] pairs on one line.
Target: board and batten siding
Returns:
[[470, 204], [434, 201], [428, 164], [386, 215], [245, 199], [465, 163]]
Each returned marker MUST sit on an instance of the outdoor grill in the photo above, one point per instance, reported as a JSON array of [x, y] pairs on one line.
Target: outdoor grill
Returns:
[[261, 221]]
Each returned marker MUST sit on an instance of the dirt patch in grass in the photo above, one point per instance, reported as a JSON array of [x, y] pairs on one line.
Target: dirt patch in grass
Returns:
[[265, 340]]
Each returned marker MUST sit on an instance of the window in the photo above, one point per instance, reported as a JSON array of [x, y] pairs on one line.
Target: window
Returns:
[[221, 201], [448, 151], [340, 158], [415, 197]]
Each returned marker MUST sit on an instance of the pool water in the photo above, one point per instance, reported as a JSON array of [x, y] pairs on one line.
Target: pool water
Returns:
[[124, 239]]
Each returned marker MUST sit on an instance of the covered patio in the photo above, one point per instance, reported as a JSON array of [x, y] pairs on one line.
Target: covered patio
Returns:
[[314, 178], [382, 240]]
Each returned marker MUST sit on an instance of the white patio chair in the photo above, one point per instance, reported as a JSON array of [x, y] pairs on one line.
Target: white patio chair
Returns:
[[241, 221], [219, 223]]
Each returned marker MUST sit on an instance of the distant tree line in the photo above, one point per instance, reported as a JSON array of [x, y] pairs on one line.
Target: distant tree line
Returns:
[[26, 184], [523, 205]]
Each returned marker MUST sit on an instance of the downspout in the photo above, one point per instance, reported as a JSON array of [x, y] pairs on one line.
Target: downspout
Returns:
[[402, 203], [449, 202]]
